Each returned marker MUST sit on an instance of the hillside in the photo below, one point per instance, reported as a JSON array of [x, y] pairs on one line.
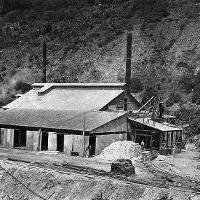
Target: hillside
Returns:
[[86, 42]]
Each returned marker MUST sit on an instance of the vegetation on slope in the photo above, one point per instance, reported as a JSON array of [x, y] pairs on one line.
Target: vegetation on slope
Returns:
[[87, 40]]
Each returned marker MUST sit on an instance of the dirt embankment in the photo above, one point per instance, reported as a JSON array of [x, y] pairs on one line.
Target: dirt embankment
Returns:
[[54, 185]]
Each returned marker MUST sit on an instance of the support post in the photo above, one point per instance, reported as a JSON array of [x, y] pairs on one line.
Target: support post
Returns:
[[83, 134], [39, 140], [127, 129], [135, 135]]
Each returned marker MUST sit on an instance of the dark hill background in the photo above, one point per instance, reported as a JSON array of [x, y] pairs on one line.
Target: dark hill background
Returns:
[[86, 42]]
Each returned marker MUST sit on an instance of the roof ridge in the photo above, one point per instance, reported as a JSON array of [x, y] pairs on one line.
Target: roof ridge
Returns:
[[79, 84], [48, 86]]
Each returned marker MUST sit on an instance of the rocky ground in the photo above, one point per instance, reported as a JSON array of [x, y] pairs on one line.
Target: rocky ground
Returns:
[[57, 176]]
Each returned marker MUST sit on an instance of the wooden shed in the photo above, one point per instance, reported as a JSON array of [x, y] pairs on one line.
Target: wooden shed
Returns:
[[154, 134]]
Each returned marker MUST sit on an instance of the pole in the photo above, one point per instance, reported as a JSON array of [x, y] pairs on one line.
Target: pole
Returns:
[[44, 70], [128, 61], [83, 134], [145, 104], [127, 129], [39, 139]]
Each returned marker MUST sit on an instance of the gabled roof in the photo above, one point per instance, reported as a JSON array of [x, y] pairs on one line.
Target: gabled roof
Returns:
[[57, 120], [68, 96], [165, 127]]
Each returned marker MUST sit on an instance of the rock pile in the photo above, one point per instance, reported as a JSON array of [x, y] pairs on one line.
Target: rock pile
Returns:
[[121, 150], [122, 166]]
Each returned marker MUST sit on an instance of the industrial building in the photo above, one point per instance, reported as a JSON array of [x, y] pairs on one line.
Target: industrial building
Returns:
[[70, 117]]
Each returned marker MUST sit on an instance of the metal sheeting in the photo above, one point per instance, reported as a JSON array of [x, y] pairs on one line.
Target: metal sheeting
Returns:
[[66, 99], [60, 120], [165, 127]]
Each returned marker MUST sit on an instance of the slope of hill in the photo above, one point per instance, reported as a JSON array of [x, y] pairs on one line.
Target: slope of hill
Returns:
[[87, 41]]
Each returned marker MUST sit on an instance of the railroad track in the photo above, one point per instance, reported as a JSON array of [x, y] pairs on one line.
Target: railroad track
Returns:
[[90, 173]]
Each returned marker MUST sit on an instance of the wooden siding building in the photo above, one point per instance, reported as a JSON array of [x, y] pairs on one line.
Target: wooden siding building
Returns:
[[55, 116], [69, 117], [154, 134]]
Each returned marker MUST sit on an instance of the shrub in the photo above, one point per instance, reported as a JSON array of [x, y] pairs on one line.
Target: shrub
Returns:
[[136, 85], [187, 82], [23, 87], [196, 91], [173, 98], [9, 5], [191, 114], [152, 10], [196, 94], [95, 75], [149, 92]]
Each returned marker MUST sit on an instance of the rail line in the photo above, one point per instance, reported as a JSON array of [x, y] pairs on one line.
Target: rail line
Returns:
[[90, 173]]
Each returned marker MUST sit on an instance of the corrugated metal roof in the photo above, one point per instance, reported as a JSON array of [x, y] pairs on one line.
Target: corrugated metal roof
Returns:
[[66, 99], [62, 120], [156, 125]]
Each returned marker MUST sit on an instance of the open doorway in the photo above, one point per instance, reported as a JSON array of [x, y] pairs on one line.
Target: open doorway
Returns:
[[145, 138], [44, 144], [60, 142], [92, 144], [1, 136], [19, 138], [156, 140]]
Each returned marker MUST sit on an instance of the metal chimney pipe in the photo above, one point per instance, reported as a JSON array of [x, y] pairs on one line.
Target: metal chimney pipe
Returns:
[[128, 61], [44, 67]]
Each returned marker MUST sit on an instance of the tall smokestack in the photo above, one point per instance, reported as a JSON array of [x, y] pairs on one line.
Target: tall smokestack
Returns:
[[128, 61], [44, 65]]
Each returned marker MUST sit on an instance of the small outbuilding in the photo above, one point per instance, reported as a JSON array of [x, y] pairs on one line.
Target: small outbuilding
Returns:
[[154, 134]]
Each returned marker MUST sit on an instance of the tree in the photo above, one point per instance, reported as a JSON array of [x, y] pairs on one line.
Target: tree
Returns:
[[187, 82], [136, 85], [149, 92], [173, 98], [190, 113], [23, 87], [196, 91]]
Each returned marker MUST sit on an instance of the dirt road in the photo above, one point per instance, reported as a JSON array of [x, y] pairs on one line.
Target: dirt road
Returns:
[[149, 177]]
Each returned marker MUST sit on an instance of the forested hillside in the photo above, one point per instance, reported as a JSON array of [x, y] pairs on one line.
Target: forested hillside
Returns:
[[86, 42]]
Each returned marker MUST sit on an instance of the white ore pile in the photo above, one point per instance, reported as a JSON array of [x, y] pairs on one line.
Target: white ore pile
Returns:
[[120, 150]]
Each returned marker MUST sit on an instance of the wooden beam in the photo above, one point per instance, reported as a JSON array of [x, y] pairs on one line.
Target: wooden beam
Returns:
[[83, 134], [39, 139], [145, 104]]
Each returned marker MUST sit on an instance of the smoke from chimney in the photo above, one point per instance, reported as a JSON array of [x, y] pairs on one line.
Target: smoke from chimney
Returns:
[[44, 70], [128, 61]]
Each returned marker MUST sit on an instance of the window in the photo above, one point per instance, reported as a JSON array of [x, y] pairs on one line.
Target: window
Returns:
[[125, 104], [119, 106]]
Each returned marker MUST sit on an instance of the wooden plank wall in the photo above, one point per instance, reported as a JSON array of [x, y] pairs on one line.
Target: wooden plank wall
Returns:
[[103, 141], [118, 103], [32, 141]]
